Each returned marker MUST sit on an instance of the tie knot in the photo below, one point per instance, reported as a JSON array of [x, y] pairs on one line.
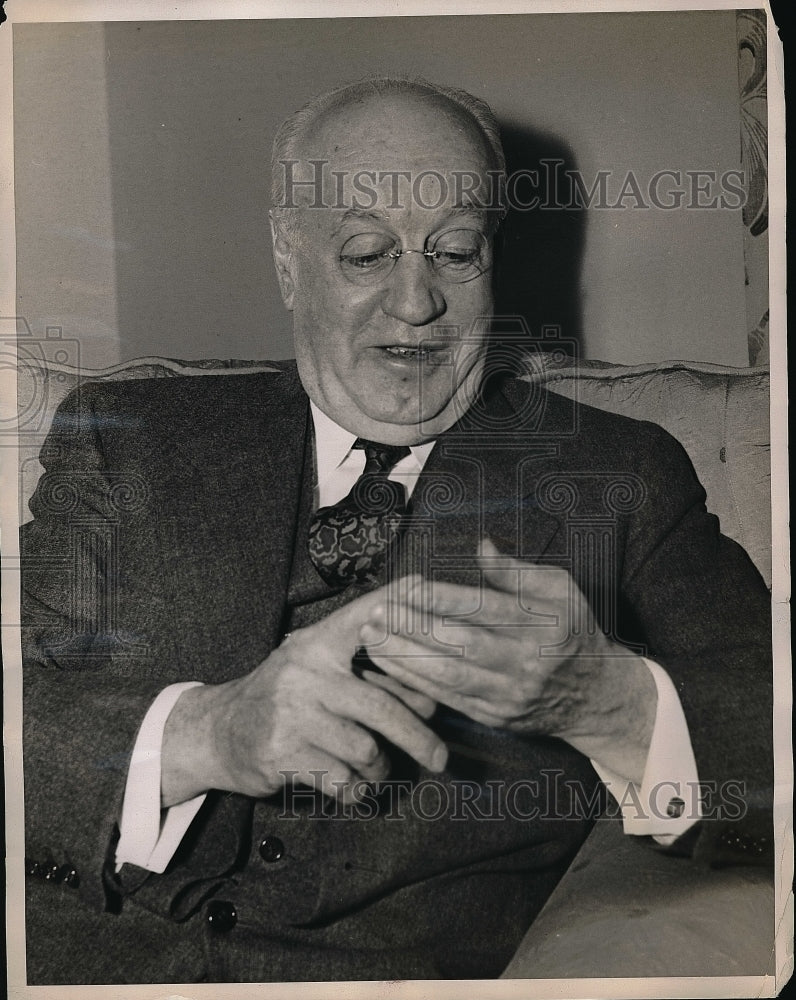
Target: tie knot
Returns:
[[381, 457]]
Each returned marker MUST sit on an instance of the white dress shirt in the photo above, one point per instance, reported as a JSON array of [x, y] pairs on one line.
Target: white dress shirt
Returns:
[[664, 806]]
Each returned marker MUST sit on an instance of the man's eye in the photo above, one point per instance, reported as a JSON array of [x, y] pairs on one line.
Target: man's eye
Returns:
[[460, 250], [363, 262], [454, 260], [365, 251], [454, 256]]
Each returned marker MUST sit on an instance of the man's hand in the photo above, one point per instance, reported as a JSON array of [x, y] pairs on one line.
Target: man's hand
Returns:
[[302, 710], [522, 653]]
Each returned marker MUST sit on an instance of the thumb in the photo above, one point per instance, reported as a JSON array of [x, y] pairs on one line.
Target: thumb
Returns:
[[500, 571]]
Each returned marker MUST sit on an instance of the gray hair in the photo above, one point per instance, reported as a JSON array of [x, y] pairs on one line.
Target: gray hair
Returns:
[[295, 127]]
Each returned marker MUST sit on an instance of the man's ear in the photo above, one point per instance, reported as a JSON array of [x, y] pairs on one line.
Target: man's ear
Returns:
[[283, 258]]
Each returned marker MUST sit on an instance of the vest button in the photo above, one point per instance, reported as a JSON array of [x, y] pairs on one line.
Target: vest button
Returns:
[[271, 849], [221, 916]]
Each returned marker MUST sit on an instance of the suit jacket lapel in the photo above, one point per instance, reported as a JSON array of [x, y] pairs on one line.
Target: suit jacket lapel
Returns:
[[479, 480], [234, 504], [273, 474]]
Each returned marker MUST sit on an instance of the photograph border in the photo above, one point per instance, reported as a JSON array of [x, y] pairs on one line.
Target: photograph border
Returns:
[[31, 11]]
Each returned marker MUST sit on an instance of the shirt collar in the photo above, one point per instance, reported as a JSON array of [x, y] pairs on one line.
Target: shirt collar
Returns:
[[333, 443]]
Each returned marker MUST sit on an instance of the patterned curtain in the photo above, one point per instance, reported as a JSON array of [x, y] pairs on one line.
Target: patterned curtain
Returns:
[[751, 31]]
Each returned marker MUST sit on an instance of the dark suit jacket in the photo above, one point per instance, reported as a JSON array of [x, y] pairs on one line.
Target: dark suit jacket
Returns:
[[161, 551]]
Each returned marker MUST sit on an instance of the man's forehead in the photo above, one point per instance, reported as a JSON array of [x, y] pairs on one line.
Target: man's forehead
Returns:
[[397, 131], [361, 192], [385, 152]]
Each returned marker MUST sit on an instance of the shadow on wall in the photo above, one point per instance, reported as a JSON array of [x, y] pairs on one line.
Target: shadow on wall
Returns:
[[540, 248]]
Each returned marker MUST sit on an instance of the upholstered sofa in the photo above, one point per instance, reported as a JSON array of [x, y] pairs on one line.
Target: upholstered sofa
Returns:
[[623, 909]]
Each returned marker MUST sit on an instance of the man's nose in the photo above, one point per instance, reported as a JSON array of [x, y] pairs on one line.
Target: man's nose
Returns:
[[412, 293]]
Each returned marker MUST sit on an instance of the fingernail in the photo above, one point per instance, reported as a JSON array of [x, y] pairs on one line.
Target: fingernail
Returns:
[[486, 547], [439, 759]]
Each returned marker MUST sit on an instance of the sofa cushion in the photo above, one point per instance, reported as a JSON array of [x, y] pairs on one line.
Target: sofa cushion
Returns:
[[625, 910], [720, 416]]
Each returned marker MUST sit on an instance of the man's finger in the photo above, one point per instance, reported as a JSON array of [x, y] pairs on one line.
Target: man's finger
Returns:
[[419, 703], [500, 571], [320, 771], [521, 578], [347, 741], [373, 707], [440, 598], [481, 709], [451, 644], [483, 606], [436, 675]]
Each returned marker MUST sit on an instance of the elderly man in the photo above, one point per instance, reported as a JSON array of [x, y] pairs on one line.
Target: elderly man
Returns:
[[329, 690]]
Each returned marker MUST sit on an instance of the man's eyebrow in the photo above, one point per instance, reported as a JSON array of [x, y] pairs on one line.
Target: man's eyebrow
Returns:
[[359, 214], [468, 209], [374, 215]]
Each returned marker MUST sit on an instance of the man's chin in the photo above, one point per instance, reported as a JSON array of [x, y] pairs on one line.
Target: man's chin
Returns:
[[412, 412], [411, 419], [404, 425], [374, 409]]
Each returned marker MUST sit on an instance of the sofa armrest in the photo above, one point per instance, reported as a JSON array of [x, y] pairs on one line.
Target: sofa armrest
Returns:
[[624, 909]]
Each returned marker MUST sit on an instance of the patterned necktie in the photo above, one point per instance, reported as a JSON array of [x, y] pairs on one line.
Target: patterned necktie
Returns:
[[349, 540]]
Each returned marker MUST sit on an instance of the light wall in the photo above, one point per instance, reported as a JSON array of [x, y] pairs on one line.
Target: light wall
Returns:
[[142, 173]]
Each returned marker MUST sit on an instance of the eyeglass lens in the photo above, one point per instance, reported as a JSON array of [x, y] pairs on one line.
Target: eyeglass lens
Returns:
[[456, 255]]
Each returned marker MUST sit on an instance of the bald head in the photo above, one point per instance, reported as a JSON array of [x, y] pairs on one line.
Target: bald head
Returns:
[[386, 121]]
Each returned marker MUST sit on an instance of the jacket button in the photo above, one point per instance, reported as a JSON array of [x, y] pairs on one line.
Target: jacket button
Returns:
[[271, 849], [67, 875], [675, 808], [221, 916]]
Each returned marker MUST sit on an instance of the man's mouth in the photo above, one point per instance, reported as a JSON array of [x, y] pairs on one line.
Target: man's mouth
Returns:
[[408, 353], [430, 352]]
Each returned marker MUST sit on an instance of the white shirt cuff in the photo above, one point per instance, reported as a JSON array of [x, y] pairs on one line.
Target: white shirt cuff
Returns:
[[667, 803], [149, 835]]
